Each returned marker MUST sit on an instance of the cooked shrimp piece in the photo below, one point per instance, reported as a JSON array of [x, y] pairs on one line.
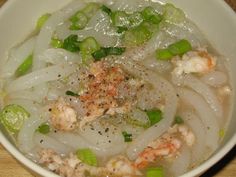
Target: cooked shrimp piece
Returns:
[[63, 116], [120, 165], [168, 145], [194, 62]]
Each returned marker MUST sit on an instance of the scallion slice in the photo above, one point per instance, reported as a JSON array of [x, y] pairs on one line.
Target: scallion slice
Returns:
[[78, 21], [70, 93], [44, 128], [87, 47], [154, 172], [106, 9], [127, 136], [71, 43], [120, 18], [42, 20], [154, 116], [179, 120], [180, 47], [25, 66], [87, 156], [13, 116], [163, 54]]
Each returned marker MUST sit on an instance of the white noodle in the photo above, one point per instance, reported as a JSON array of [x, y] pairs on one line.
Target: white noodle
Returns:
[[46, 33], [206, 114], [47, 142], [25, 136], [168, 92], [58, 56], [181, 164], [17, 56], [41, 76], [215, 78], [208, 94], [199, 148], [77, 142]]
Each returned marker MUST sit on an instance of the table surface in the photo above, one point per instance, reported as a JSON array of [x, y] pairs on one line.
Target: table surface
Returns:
[[10, 167]]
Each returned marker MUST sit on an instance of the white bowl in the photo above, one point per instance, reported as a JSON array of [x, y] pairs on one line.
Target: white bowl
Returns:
[[216, 20]]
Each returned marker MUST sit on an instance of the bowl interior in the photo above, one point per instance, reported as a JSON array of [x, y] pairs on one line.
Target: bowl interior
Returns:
[[18, 19]]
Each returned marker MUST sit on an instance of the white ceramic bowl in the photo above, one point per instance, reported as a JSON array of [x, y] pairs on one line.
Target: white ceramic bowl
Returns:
[[216, 20]]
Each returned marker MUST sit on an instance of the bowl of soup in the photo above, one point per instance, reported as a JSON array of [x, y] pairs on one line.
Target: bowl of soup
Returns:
[[117, 88]]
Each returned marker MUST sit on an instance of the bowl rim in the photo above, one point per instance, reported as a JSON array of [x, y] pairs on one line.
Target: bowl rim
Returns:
[[32, 166]]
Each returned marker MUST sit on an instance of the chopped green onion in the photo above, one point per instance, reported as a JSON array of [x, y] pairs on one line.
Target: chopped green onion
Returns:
[[87, 156], [70, 93], [106, 9], [154, 116], [137, 36], [71, 43], [105, 51], [135, 19], [78, 21], [13, 117], [222, 133], [156, 19], [179, 120], [121, 29], [101, 53], [87, 47], [173, 14], [163, 54], [180, 47], [115, 50], [137, 123], [42, 20], [127, 136], [56, 43], [155, 172], [25, 66], [148, 12], [150, 15], [120, 18], [91, 9], [44, 128]]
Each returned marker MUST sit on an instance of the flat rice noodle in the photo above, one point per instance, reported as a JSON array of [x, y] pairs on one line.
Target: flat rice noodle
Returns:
[[215, 78], [206, 114], [77, 142], [127, 6], [186, 30], [159, 40], [46, 33], [29, 105], [181, 164], [58, 56], [25, 136], [17, 56], [157, 65], [167, 91], [198, 151], [44, 75], [46, 142], [208, 94], [101, 138]]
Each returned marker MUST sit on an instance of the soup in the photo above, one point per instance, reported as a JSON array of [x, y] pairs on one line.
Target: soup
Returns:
[[116, 88]]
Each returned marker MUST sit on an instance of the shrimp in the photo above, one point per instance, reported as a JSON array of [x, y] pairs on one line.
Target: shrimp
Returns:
[[194, 62], [63, 116], [167, 146]]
